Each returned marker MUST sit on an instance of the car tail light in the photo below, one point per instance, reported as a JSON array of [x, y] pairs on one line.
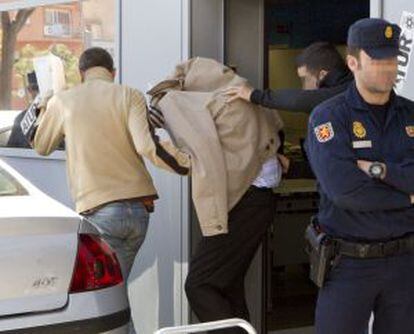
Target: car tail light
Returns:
[[96, 265]]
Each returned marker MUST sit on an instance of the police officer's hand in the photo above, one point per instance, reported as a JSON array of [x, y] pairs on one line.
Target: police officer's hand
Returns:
[[365, 166], [241, 92], [284, 162]]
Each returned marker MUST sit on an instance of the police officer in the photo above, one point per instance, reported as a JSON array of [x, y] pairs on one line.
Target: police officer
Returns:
[[361, 148]]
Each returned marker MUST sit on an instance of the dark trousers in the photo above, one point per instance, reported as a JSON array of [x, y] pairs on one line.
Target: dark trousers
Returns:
[[215, 282], [358, 287]]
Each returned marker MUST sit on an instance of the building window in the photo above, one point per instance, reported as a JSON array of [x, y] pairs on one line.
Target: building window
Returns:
[[57, 23]]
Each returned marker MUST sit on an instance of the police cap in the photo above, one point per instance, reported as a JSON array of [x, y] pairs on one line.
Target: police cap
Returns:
[[377, 37]]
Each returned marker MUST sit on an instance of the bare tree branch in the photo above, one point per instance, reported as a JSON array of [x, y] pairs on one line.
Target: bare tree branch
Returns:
[[5, 25], [21, 18], [5, 20], [10, 30]]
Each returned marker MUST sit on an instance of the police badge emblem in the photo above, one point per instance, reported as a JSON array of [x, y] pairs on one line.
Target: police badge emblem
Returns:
[[359, 130], [324, 132], [388, 32], [410, 130]]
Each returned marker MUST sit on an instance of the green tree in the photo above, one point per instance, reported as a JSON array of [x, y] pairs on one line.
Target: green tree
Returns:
[[70, 62], [24, 64]]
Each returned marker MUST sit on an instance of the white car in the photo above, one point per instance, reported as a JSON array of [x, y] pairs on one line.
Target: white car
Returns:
[[56, 274]]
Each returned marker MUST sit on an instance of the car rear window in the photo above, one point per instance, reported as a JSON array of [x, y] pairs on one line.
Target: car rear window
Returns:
[[9, 186]]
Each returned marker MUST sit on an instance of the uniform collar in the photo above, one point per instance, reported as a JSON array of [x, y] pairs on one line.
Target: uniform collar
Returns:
[[356, 101], [98, 73]]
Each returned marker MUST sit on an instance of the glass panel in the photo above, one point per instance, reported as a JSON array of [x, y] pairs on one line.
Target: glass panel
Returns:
[[64, 30]]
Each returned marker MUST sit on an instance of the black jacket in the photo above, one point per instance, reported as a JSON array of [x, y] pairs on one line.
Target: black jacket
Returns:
[[354, 206], [333, 84], [17, 139]]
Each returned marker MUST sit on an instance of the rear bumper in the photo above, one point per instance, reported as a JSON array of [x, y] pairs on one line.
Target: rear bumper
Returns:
[[102, 324], [94, 312]]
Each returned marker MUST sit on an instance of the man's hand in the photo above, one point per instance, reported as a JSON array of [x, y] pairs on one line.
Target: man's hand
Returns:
[[365, 165], [284, 162], [242, 92]]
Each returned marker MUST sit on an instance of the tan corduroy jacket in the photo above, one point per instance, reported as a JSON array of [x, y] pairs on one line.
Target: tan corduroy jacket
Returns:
[[228, 142], [106, 132]]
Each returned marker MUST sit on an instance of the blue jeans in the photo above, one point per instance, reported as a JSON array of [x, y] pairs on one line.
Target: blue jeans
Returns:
[[123, 225]]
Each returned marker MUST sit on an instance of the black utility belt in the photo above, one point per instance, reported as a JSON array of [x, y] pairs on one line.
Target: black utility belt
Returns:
[[373, 250], [325, 251]]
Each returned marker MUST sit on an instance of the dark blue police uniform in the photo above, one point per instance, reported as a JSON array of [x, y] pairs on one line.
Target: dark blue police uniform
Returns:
[[362, 210]]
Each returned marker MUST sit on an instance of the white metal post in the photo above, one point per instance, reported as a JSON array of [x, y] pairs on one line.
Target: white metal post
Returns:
[[209, 326]]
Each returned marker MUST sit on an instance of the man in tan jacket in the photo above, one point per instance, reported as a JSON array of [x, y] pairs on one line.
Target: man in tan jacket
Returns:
[[234, 168], [107, 135]]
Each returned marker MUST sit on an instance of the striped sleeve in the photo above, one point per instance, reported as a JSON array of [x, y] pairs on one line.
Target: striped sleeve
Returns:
[[163, 154]]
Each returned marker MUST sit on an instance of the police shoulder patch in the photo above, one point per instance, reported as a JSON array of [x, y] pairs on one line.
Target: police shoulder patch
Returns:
[[324, 132]]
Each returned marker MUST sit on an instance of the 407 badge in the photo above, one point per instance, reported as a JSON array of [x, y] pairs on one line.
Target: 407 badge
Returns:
[[324, 132]]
